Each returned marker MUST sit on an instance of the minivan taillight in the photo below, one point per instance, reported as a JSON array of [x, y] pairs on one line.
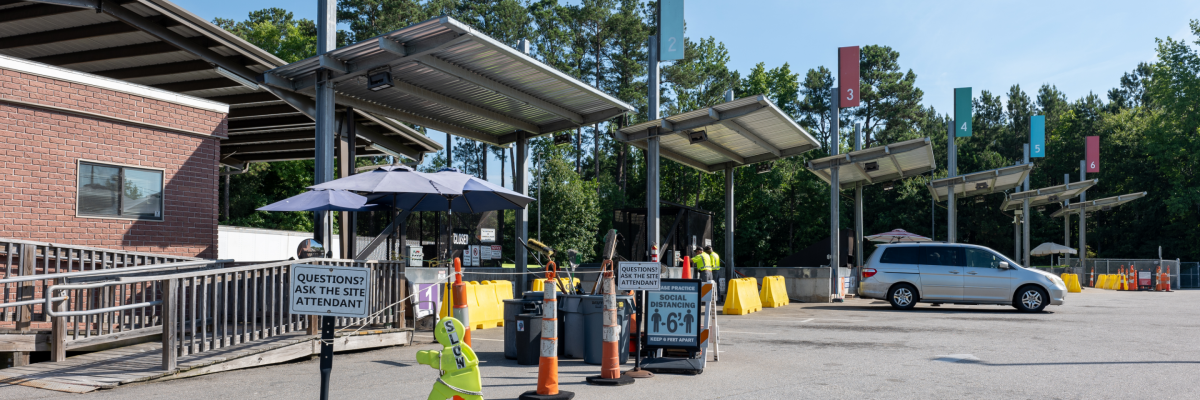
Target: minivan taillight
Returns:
[[869, 272]]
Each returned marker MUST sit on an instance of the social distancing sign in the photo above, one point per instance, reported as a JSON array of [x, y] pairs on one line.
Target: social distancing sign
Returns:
[[330, 291], [673, 315]]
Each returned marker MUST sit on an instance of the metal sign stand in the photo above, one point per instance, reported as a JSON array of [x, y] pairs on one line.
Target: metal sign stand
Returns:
[[326, 354]]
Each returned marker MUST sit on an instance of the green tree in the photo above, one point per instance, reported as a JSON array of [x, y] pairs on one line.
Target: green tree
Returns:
[[276, 31]]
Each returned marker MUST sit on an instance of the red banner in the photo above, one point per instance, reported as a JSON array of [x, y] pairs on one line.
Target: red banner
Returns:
[[848, 85], [1092, 154]]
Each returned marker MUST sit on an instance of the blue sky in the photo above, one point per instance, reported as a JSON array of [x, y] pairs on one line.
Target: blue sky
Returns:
[[1078, 46]]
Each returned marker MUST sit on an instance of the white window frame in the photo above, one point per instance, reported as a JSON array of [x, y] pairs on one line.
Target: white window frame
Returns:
[[162, 189]]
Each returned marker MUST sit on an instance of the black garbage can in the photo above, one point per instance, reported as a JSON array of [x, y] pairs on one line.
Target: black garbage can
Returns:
[[513, 308], [529, 336], [592, 308]]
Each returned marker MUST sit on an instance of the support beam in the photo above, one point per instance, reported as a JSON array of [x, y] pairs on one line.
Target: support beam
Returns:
[[34, 11], [951, 203], [191, 46], [1082, 217], [418, 120], [448, 101], [274, 109], [147, 71], [66, 34], [309, 144], [347, 141], [835, 199], [245, 99], [521, 217], [653, 147], [858, 208], [296, 155], [308, 107], [719, 149], [730, 221], [199, 84], [268, 123], [386, 59], [110, 53], [751, 136], [259, 138], [500, 88], [1027, 218]]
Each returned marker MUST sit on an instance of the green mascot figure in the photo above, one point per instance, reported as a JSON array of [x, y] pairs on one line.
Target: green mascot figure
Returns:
[[457, 363]]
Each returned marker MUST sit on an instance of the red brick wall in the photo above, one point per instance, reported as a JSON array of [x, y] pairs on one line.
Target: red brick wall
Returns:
[[39, 150]]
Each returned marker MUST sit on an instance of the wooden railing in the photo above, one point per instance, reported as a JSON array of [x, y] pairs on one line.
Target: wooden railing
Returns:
[[209, 309], [26, 259]]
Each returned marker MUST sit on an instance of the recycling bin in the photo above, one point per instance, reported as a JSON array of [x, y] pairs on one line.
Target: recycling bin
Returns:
[[592, 308], [528, 335], [513, 308]]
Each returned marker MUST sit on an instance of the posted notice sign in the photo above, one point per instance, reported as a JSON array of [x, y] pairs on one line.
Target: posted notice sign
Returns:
[[673, 314], [638, 275], [330, 291]]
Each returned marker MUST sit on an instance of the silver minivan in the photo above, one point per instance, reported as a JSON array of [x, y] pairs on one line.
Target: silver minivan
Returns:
[[929, 272]]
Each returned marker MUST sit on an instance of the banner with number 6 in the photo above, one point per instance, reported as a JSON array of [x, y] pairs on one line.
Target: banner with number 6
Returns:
[[1092, 154]]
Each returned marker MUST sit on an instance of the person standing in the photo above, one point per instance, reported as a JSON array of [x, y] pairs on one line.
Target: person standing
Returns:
[[703, 265]]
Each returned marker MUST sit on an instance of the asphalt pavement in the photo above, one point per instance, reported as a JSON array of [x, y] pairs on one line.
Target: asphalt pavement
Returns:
[[1100, 344]]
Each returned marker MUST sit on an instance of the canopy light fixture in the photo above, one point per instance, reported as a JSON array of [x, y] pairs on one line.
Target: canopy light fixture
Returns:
[[1105, 208], [697, 136], [562, 139], [888, 186], [764, 167], [981, 185], [978, 199], [379, 80], [1053, 198], [1041, 208], [871, 166]]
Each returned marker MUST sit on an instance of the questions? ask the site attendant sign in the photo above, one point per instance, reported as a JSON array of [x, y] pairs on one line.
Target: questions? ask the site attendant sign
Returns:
[[330, 291]]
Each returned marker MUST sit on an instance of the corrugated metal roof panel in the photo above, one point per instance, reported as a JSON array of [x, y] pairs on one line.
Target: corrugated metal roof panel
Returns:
[[1047, 195], [980, 183], [878, 164]]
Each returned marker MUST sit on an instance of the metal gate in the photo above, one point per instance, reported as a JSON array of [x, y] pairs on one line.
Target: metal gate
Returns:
[[1189, 275]]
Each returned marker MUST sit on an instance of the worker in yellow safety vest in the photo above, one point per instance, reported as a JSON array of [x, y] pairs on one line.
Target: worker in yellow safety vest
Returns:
[[700, 261], [713, 265], [713, 258]]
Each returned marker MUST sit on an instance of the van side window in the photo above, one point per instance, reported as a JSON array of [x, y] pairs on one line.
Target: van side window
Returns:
[[899, 255], [937, 255], [977, 258]]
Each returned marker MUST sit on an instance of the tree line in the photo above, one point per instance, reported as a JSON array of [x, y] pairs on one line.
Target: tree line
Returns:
[[1148, 124]]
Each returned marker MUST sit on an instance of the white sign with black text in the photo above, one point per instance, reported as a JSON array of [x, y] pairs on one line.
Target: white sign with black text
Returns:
[[331, 291], [487, 235], [638, 275]]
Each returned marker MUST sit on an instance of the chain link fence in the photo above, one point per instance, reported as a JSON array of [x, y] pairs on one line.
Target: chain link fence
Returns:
[[1189, 275]]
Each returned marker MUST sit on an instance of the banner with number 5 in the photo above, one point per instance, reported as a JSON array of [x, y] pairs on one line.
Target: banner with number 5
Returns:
[[1092, 154], [1037, 136], [848, 84]]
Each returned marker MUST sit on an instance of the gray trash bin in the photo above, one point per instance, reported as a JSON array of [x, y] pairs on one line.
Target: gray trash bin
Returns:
[[529, 336], [593, 312], [570, 326], [513, 308]]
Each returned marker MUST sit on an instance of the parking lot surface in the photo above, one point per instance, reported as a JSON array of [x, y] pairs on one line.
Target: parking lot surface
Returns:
[[1100, 344]]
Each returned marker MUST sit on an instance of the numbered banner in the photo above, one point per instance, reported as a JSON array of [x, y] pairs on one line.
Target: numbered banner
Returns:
[[962, 112], [670, 30], [1092, 153], [848, 82], [1037, 136]]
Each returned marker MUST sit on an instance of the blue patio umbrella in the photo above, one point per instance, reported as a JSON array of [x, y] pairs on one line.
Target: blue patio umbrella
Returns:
[[476, 195], [320, 200]]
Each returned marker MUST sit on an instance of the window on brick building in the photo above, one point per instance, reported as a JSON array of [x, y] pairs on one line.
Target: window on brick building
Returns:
[[116, 191]]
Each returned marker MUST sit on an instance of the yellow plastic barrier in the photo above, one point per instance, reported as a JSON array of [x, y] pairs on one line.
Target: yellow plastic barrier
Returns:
[[1072, 281], [1108, 282], [1103, 280], [773, 293], [485, 302], [540, 283], [742, 297]]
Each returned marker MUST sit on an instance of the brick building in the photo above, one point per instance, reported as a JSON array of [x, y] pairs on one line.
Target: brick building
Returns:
[[100, 162]]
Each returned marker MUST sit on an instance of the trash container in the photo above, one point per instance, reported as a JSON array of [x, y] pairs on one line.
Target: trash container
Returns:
[[592, 308], [528, 335], [513, 308], [570, 326]]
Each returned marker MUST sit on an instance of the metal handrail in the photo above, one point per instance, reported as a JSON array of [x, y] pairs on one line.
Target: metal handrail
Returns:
[[86, 248], [50, 299], [111, 271]]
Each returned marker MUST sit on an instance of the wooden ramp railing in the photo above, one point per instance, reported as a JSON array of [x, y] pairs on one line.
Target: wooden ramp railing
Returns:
[[208, 309]]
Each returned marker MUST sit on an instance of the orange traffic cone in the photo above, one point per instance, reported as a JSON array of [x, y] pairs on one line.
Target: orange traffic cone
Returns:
[[461, 313], [1158, 279], [687, 268], [1092, 278], [610, 368], [547, 386], [1133, 278]]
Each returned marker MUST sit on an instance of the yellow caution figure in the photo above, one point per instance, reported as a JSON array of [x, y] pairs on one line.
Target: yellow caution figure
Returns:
[[457, 364]]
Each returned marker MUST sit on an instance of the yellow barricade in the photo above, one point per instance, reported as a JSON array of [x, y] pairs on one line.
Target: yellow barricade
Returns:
[[485, 302], [742, 297], [540, 283], [773, 293], [1072, 281], [1100, 283], [1112, 282]]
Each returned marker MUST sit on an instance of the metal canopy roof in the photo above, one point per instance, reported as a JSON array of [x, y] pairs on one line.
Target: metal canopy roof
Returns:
[[878, 164], [449, 77], [740, 132], [1101, 204], [984, 182], [158, 44], [1044, 196]]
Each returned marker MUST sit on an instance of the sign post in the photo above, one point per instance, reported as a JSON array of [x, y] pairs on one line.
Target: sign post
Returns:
[[329, 292]]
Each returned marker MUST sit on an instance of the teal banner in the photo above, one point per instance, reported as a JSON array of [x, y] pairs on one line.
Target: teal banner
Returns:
[[1037, 136], [962, 112], [670, 30]]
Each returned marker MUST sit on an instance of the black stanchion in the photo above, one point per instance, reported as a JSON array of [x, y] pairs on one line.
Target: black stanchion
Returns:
[[326, 354]]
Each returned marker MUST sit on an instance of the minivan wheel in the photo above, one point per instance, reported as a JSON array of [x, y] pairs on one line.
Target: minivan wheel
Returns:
[[903, 297], [1031, 299]]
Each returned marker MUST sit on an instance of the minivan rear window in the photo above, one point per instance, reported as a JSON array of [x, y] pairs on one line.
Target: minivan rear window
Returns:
[[899, 255]]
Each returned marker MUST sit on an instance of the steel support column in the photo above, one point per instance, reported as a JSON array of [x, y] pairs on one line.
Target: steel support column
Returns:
[[652, 150], [346, 167], [1026, 217], [1082, 217], [727, 259], [323, 171], [834, 198], [521, 217], [858, 211], [952, 171], [1066, 215]]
